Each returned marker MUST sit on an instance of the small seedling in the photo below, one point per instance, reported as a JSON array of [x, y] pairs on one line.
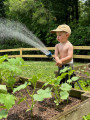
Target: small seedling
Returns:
[[39, 96]]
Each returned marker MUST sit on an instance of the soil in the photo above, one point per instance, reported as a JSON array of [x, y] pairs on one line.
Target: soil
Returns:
[[42, 110]]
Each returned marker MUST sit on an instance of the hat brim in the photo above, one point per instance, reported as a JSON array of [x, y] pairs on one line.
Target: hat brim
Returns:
[[56, 30]]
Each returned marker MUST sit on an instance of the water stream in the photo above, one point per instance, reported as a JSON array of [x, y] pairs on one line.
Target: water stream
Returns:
[[13, 29]]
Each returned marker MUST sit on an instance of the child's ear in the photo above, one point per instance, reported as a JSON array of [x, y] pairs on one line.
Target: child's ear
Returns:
[[67, 34]]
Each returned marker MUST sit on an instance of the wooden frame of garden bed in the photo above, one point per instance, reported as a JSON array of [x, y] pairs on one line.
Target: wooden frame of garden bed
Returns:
[[77, 111]]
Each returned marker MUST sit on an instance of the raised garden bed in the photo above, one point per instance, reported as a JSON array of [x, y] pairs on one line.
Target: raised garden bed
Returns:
[[78, 105], [83, 71]]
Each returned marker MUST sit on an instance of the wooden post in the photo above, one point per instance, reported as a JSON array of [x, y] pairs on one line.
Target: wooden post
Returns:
[[21, 52]]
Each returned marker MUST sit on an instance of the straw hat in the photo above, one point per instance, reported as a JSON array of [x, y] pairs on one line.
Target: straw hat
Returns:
[[63, 27]]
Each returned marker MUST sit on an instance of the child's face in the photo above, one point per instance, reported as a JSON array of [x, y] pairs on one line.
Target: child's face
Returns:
[[62, 36]]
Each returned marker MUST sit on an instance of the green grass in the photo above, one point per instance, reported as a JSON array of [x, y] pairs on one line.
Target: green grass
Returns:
[[39, 67], [45, 68]]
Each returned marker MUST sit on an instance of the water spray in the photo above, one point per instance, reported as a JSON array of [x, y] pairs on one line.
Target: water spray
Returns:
[[13, 29]]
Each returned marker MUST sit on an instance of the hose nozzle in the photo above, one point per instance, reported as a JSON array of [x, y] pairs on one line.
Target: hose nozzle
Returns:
[[49, 55]]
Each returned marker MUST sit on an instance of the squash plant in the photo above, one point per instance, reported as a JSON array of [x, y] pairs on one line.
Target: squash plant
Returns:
[[6, 101], [8, 69], [38, 95], [60, 92]]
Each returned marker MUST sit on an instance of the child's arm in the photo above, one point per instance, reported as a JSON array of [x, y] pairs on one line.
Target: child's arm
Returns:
[[58, 61], [56, 53]]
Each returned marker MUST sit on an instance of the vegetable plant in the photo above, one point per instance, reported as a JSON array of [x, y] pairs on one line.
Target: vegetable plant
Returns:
[[85, 83], [40, 95], [6, 101], [8, 69], [86, 117], [61, 91]]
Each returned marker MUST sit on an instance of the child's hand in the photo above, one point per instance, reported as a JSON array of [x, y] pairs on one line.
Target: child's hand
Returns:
[[59, 63]]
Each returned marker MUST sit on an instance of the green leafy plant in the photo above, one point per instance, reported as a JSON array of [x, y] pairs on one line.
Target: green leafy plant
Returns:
[[85, 72], [39, 96], [8, 70], [6, 101], [86, 117], [60, 92]]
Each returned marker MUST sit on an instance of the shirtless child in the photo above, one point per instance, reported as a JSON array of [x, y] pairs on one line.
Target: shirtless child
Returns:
[[64, 49]]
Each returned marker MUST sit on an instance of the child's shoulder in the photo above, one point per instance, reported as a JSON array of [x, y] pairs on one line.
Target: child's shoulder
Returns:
[[57, 45], [69, 43]]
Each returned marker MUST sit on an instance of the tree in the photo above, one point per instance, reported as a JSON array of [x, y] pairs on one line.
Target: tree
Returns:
[[33, 14], [84, 13], [65, 11], [2, 9]]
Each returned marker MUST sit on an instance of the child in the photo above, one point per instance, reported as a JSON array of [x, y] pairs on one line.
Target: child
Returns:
[[64, 49]]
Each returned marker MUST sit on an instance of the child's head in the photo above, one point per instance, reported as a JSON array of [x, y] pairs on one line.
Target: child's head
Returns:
[[62, 32]]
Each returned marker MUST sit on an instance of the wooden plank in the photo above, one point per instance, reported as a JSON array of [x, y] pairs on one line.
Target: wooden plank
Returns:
[[82, 56], [30, 49], [11, 56], [20, 52], [36, 56], [9, 50], [36, 49], [82, 47], [51, 48]]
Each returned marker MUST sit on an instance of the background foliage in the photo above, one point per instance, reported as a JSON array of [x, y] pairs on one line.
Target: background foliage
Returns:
[[42, 16]]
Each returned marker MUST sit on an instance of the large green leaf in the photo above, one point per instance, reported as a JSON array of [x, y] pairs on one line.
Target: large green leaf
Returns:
[[2, 58], [10, 81], [38, 97], [65, 87], [34, 79], [64, 95], [57, 81], [10, 68], [65, 69], [69, 81], [3, 89], [42, 94], [74, 78], [7, 99], [20, 87], [3, 114], [16, 61]]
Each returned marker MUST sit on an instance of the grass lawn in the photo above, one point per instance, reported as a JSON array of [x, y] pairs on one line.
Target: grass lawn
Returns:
[[42, 67]]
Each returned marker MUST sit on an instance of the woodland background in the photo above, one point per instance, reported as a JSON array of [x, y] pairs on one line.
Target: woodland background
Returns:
[[41, 16]]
